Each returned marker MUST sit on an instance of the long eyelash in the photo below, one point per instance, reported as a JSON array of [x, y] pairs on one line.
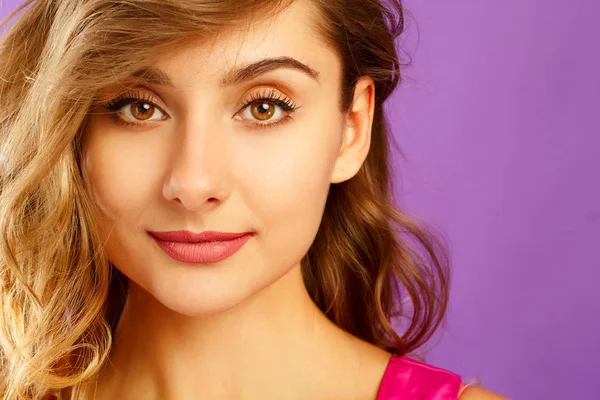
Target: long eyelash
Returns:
[[270, 97], [120, 101], [275, 98], [116, 104]]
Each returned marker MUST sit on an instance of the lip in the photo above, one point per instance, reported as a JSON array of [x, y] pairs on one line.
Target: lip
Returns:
[[203, 248], [191, 237]]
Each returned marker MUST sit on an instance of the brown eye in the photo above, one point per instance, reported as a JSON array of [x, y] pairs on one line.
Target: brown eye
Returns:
[[141, 111], [135, 109], [262, 111], [267, 109]]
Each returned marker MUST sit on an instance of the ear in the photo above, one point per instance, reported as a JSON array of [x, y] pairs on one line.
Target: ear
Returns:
[[356, 139]]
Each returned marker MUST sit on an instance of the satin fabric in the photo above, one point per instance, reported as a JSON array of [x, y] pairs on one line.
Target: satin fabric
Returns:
[[408, 379]]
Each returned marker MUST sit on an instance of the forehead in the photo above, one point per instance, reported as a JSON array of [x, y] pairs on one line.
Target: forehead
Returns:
[[290, 37]]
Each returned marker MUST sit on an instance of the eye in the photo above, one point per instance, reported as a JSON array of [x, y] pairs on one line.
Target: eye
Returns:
[[140, 110], [263, 110], [131, 108], [268, 108]]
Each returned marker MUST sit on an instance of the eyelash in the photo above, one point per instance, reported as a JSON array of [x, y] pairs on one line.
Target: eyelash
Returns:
[[272, 97]]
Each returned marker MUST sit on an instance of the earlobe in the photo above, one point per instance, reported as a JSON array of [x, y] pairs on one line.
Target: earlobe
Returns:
[[356, 132]]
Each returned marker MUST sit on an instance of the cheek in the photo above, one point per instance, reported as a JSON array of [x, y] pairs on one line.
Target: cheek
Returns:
[[118, 175], [121, 177], [287, 187]]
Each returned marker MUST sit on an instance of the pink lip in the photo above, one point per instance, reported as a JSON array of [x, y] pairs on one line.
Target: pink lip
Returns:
[[206, 247]]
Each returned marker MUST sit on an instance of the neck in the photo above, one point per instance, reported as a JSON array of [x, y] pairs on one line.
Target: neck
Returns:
[[275, 344]]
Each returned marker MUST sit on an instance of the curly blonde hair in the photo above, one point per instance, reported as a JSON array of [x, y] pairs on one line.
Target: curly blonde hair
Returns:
[[58, 302]]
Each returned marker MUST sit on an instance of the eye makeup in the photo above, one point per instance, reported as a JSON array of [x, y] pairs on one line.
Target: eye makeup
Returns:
[[266, 97]]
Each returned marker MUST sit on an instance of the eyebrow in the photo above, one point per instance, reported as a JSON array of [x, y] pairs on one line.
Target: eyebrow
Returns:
[[236, 76]]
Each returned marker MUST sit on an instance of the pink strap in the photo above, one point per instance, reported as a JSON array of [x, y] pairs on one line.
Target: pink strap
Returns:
[[406, 378]]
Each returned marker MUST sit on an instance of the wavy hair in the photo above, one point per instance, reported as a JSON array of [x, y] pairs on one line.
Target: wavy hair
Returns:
[[58, 302]]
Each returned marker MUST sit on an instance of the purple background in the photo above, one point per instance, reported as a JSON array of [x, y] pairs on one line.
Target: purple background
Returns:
[[499, 122], [498, 119]]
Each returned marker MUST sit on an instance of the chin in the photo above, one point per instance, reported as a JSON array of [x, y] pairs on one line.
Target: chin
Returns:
[[196, 302], [201, 307], [203, 292]]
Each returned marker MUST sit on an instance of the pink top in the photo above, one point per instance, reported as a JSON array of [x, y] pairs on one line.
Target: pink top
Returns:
[[405, 378]]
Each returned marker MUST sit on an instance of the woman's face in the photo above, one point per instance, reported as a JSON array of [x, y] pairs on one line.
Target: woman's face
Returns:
[[204, 155]]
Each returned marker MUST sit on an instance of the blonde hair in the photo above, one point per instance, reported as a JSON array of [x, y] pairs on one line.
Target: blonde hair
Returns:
[[56, 298]]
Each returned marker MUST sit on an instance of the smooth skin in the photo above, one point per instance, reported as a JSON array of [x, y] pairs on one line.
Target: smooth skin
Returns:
[[243, 328]]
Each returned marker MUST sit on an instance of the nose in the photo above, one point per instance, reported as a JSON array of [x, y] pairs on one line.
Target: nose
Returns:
[[199, 177]]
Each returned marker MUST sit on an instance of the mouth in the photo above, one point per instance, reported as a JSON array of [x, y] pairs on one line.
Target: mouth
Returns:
[[204, 248]]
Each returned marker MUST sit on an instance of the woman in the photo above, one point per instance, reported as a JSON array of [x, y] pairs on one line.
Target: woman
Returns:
[[196, 204]]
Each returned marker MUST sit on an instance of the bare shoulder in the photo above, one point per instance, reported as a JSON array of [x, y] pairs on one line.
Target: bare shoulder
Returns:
[[479, 393]]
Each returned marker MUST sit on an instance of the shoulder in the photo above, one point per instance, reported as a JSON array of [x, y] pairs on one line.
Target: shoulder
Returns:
[[478, 393]]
